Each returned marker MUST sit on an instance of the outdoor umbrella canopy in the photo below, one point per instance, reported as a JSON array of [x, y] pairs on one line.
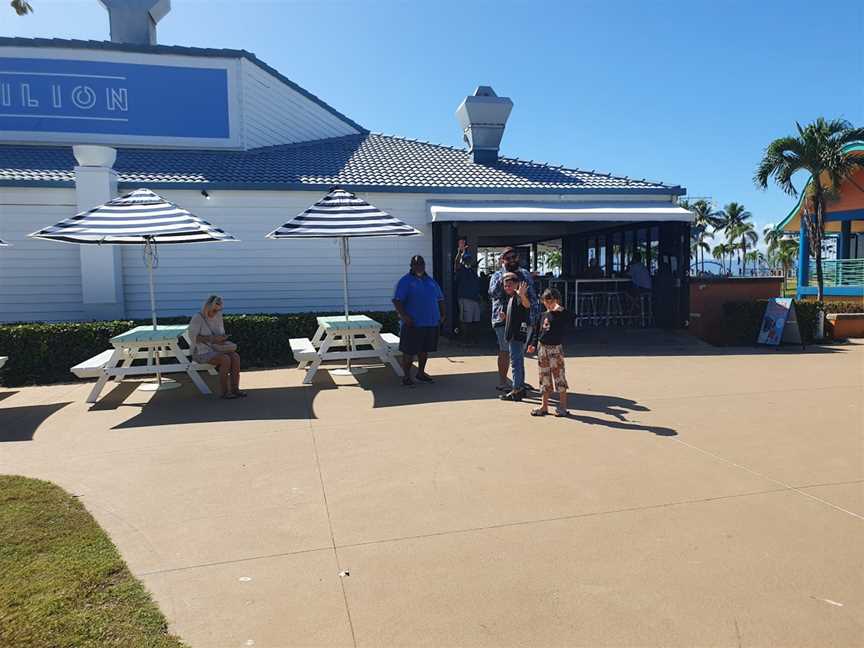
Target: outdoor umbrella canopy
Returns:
[[340, 214], [137, 218], [140, 217]]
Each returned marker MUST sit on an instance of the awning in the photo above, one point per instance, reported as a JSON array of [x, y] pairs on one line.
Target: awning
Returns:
[[572, 212]]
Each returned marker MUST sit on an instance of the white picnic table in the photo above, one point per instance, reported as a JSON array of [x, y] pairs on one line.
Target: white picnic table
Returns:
[[142, 342], [338, 339]]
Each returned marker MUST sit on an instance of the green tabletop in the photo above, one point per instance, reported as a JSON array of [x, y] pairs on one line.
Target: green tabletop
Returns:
[[166, 333], [338, 322]]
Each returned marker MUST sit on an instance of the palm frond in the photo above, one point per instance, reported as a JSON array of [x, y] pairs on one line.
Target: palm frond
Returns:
[[21, 7]]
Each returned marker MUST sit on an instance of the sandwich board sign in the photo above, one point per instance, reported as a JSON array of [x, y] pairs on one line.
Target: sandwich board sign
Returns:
[[780, 323]]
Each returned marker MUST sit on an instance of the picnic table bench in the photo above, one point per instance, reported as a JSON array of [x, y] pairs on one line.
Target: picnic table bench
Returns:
[[143, 343], [334, 333]]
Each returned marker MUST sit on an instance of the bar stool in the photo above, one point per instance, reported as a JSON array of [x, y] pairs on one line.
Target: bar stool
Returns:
[[646, 313], [614, 308], [587, 309]]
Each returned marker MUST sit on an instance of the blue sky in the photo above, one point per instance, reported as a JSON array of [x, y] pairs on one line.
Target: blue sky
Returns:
[[687, 92]]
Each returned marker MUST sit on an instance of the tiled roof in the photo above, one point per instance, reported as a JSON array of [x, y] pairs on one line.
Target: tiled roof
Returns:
[[366, 161]]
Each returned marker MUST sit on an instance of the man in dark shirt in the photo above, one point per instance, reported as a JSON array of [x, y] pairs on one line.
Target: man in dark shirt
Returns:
[[498, 296], [467, 292]]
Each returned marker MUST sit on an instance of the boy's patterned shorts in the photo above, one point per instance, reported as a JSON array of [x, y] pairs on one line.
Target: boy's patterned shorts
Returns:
[[550, 360]]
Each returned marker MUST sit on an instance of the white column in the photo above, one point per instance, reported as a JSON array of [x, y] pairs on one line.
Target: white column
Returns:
[[101, 265]]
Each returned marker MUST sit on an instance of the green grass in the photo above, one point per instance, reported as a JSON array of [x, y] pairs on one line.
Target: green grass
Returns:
[[62, 581]]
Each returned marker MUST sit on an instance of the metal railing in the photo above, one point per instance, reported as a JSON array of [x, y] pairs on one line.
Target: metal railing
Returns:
[[839, 272]]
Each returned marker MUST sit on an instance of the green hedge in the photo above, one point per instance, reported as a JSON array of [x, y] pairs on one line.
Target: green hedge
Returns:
[[43, 353], [742, 319]]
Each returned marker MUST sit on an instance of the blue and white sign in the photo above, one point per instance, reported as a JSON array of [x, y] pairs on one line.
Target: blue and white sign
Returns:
[[68, 96]]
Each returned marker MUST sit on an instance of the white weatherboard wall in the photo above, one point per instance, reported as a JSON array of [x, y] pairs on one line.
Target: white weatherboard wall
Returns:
[[259, 275], [39, 280], [274, 113]]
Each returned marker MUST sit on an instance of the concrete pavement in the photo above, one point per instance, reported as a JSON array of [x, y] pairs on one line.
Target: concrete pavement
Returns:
[[700, 498]]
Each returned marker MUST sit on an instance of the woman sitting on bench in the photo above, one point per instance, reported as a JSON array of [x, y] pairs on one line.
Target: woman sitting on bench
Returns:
[[210, 345]]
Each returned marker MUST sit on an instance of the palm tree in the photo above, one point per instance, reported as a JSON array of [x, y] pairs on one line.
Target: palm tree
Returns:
[[729, 219], [746, 234], [700, 243], [21, 7], [719, 252], [818, 148], [772, 237], [705, 217], [786, 255]]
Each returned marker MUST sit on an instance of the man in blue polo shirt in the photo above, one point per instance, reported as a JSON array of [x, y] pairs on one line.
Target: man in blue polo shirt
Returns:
[[420, 303]]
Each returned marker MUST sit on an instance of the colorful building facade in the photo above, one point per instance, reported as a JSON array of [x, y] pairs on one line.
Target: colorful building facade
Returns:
[[844, 218]]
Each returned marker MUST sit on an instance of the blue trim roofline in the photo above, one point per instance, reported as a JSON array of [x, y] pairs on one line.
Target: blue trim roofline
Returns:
[[844, 216], [296, 186], [7, 41]]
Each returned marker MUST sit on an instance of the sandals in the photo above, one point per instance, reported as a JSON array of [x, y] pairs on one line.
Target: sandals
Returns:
[[515, 395], [503, 388], [559, 413]]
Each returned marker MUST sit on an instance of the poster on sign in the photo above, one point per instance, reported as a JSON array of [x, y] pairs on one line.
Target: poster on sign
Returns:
[[780, 323]]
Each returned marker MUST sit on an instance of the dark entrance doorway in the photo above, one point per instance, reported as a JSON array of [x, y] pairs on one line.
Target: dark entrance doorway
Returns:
[[599, 250]]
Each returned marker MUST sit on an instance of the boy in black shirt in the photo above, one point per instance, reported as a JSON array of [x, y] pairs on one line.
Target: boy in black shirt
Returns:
[[547, 338], [517, 327]]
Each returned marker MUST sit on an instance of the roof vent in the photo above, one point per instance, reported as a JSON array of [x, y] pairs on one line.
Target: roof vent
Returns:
[[134, 21], [482, 117]]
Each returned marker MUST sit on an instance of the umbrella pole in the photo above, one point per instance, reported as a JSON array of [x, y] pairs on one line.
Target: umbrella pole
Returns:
[[148, 256], [349, 344], [346, 259]]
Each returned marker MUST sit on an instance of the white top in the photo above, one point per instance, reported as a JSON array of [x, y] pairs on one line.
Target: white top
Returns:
[[201, 325], [640, 275]]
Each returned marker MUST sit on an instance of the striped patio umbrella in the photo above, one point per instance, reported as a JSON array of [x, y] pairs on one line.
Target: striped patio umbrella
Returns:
[[137, 218], [340, 214]]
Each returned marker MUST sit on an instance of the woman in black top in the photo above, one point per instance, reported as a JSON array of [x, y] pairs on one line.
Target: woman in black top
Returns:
[[548, 336]]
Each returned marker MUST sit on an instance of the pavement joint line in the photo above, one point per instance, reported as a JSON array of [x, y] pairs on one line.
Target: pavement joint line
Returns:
[[749, 393], [575, 516], [218, 563], [771, 479], [842, 483], [332, 537]]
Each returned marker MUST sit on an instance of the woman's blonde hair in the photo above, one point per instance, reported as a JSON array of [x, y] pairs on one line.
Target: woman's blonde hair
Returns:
[[212, 299]]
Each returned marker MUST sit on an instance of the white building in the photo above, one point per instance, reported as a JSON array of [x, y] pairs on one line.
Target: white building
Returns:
[[226, 136]]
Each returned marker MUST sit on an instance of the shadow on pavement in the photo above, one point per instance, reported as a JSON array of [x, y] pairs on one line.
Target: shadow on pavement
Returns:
[[389, 392], [6, 394], [618, 342], [613, 406], [480, 386], [186, 406], [21, 423]]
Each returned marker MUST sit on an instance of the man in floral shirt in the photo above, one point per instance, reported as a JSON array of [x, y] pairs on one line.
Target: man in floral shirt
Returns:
[[509, 263]]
